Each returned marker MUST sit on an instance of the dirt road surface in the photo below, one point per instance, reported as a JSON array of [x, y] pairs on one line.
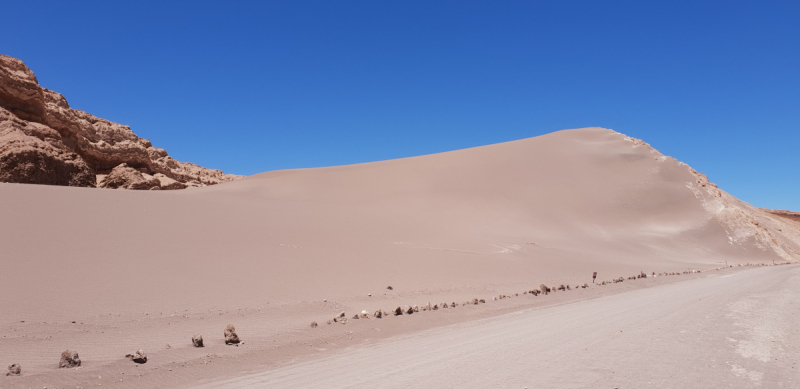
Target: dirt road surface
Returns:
[[740, 330]]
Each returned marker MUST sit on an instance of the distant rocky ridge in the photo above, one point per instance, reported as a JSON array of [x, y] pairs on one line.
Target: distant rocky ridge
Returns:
[[788, 216], [44, 141]]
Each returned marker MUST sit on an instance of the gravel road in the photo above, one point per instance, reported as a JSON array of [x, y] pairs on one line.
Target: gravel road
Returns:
[[739, 330]]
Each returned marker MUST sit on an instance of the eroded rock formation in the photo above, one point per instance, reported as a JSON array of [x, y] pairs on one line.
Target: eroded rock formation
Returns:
[[44, 141]]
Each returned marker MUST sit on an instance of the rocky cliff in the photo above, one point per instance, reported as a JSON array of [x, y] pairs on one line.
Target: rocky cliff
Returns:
[[44, 141]]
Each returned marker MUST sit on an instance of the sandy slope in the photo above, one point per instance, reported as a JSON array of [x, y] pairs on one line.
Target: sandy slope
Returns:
[[142, 269], [725, 331]]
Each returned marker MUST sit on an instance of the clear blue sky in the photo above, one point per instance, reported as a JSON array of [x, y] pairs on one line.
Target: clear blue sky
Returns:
[[248, 87]]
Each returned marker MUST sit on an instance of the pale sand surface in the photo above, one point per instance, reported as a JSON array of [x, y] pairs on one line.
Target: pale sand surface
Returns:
[[738, 330], [140, 270]]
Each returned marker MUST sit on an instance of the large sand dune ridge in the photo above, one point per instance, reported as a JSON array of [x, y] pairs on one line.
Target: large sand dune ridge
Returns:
[[549, 209]]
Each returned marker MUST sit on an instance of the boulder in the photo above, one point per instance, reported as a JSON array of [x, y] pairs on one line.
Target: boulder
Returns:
[[126, 177], [197, 340], [167, 183], [230, 335], [138, 356], [69, 359], [14, 369]]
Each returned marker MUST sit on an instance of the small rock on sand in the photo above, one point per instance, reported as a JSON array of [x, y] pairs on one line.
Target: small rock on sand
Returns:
[[69, 359], [230, 335], [139, 356], [197, 340], [314, 324], [389, 287], [14, 369]]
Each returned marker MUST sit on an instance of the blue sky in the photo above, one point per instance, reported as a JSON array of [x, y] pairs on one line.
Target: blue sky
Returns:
[[248, 87]]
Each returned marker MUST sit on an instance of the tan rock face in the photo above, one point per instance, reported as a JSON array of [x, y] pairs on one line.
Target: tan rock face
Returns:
[[125, 177], [44, 141]]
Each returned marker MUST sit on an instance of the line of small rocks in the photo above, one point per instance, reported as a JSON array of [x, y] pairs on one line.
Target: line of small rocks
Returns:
[[70, 359]]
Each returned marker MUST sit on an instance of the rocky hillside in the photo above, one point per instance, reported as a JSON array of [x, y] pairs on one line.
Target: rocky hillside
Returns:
[[44, 141]]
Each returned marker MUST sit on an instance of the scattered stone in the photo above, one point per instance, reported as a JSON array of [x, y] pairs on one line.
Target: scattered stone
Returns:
[[378, 314], [482, 301], [138, 356], [355, 316], [364, 314], [69, 359], [14, 369], [544, 289], [389, 287], [415, 308], [398, 311], [167, 346], [314, 324], [410, 310], [230, 335], [197, 340]]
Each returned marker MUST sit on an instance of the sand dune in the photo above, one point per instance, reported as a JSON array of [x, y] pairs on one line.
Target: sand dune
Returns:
[[267, 249]]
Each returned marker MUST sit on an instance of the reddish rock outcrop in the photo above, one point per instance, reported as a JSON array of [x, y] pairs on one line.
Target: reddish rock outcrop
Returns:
[[788, 215], [44, 141]]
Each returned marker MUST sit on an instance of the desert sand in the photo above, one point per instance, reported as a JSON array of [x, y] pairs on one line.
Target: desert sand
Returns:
[[107, 272]]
